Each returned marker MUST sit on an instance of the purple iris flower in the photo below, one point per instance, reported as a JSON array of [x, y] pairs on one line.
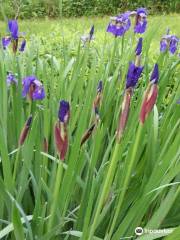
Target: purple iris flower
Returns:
[[11, 79], [173, 44], [64, 111], [141, 20], [138, 50], [119, 24], [169, 42], [155, 74], [133, 75], [89, 37], [23, 45], [91, 33], [163, 45], [14, 37], [13, 29], [33, 88], [6, 41], [99, 87]]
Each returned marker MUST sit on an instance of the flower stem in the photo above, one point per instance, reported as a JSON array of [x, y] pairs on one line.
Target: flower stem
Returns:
[[55, 195], [16, 163], [105, 189], [126, 180]]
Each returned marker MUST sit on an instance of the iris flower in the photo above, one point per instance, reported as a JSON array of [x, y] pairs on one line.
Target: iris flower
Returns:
[[89, 37], [60, 130], [169, 42], [138, 52], [96, 105], [150, 95], [134, 73], [119, 24], [11, 79], [140, 21], [97, 100], [25, 131], [14, 37], [33, 88]]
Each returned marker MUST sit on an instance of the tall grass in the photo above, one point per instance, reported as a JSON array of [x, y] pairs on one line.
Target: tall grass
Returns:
[[102, 190]]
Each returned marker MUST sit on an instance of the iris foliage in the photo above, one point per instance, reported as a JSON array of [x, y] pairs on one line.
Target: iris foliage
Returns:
[[102, 189]]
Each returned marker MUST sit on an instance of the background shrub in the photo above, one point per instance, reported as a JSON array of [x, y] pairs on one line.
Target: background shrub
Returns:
[[76, 8]]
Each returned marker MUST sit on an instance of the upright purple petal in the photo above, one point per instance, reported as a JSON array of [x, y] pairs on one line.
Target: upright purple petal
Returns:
[[133, 75], [99, 87], [64, 110], [91, 33], [6, 41], [142, 12], [138, 50], [23, 45], [13, 29], [155, 74], [141, 20]]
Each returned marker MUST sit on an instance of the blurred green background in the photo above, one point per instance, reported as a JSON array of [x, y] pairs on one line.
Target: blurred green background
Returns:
[[75, 8]]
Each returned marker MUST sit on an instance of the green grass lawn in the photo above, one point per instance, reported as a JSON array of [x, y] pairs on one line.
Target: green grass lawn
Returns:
[[80, 25], [103, 189]]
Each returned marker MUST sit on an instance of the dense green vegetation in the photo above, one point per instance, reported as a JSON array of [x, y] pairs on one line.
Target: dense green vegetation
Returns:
[[71, 8], [104, 189]]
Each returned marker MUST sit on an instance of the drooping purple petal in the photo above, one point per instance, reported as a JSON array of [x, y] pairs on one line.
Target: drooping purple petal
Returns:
[[169, 42], [38, 93], [163, 45], [11, 79], [173, 44], [111, 28], [13, 29], [138, 50], [23, 45], [6, 41], [119, 24], [155, 74], [140, 27], [133, 75], [64, 111]]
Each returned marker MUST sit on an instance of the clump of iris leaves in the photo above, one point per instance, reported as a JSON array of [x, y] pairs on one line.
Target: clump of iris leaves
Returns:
[[71, 190]]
